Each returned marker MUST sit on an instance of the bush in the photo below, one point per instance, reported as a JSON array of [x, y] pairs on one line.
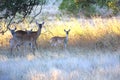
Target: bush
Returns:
[[88, 7]]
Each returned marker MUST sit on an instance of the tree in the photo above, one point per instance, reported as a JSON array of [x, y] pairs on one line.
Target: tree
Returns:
[[10, 8], [88, 7]]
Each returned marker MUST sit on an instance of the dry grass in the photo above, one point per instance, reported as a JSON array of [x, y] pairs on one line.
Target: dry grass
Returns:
[[82, 67], [76, 63], [92, 33]]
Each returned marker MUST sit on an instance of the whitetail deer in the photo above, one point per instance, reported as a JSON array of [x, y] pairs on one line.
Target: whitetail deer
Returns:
[[34, 35], [17, 40], [22, 37], [55, 41], [15, 44]]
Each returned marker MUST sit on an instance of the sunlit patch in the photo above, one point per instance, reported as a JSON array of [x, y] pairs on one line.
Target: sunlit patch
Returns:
[[98, 67], [38, 76], [90, 33], [55, 74], [3, 58], [30, 57]]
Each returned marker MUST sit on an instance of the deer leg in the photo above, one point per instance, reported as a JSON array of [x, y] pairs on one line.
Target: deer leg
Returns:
[[17, 46], [33, 47], [33, 51], [52, 45], [36, 45], [65, 44], [11, 49], [11, 46]]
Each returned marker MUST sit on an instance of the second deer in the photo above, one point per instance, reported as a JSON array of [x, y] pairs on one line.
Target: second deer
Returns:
[[57, 40], [22, 37]]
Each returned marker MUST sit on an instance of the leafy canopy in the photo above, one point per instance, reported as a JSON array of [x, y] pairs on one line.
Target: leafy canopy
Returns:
[[88, 7], [10, 8], [23, 7]]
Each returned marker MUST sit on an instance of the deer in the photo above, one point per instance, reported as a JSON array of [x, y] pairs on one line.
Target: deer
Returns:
[[16, 41], [22, 37], [36, 34], [15, 44], [57, 40]]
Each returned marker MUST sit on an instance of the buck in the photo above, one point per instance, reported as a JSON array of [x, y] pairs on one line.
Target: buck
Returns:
[[22, 37], [55, 41]]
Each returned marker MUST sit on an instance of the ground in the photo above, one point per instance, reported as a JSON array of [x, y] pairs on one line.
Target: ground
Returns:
[[93, 53], [57, 64]]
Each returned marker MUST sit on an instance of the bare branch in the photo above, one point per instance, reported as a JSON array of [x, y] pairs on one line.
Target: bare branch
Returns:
[[3, 31], [43, 2], [0, 27], [20, 8], [36, 15]]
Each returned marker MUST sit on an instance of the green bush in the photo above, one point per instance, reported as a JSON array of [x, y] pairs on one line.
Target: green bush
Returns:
[[88, 7], [23, 7]]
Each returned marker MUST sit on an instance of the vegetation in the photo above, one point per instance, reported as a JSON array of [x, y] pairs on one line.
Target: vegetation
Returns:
[[92, 52], [96, 33], [23, 7], [11, 9], [89, 7]]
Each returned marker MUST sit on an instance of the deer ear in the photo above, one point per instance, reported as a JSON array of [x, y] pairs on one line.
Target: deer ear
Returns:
[[31, 30], [15, 28], [64, 30], [43, 23], [37, 23], [69, 30]]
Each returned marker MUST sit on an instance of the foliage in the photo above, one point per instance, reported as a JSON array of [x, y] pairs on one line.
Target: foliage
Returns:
[[88, 7], [68, 5], [11, 8], [23, 7], [97, 32], [114, 5]]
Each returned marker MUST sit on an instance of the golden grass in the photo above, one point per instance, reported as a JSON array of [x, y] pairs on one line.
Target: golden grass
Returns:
[[84, 32]]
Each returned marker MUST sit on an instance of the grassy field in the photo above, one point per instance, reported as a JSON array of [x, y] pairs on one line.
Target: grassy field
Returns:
[[90, 33], [92, 52]]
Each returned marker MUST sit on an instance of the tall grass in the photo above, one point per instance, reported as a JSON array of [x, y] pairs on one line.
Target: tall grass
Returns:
[[90, 33], [73, 64]]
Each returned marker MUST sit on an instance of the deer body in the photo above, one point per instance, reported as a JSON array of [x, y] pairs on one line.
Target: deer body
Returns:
[[20, 37], [14, 44], [55, 41]]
